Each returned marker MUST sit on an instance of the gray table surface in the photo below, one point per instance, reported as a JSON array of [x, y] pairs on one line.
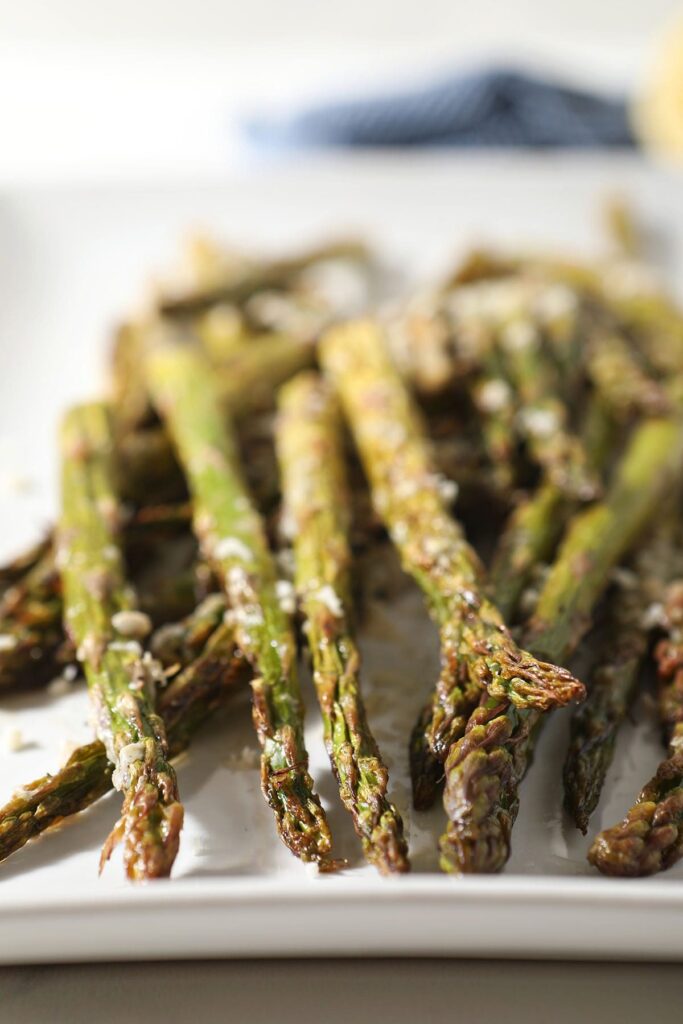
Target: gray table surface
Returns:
[[336, 991]]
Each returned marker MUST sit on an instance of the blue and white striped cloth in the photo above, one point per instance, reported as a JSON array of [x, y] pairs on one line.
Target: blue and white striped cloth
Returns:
[[497, 107]]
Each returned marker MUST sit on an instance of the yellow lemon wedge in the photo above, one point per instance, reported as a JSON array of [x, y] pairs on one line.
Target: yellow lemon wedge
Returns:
[[658, 112]]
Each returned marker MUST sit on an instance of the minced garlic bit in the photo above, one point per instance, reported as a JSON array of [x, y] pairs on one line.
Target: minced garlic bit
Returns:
[[284, 591], [133, 624], [7, 642], [231, 547], [127, 756], [13, 740], [327, 596]]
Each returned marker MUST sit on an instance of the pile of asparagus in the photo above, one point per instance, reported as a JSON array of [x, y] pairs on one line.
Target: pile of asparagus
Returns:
[[270, 431]]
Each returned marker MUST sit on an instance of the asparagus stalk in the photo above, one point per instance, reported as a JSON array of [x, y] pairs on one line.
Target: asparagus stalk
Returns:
[[247, 381], [203, 685], [528, 539], [494, 401], [33, 647], [542, 416], [278, 275], [233, 541], [99, 619], [426, 771], [484, 768], [626, 386], [596, 722], [477, 648], [650, 837], [536, 524], [316, 511], [178, 643], [15, 570]]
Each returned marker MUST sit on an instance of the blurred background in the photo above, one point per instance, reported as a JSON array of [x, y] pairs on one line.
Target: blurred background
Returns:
[[176, 87]]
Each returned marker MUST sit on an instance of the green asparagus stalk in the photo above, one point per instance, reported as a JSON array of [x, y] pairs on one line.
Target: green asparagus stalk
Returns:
[[601, 536], [626, 386], [596, 722], [316, 511], [477, 649], [536, 524], [203, 685], [33, 647], [484, 768], [622, 227], [614, 676], [421, 345], [129, 395], [15, 570], [528, 539], [542, 415], [426, 771], [650, 837], [99, 618], [232, 540], [275, 275], [494, 401], [178, 643], [249, 381]]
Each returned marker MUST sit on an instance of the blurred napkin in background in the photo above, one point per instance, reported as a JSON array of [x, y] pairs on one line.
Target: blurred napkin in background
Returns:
[[493, 107]]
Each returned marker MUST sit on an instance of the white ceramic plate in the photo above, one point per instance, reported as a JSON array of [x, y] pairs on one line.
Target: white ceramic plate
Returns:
[[71, 262]]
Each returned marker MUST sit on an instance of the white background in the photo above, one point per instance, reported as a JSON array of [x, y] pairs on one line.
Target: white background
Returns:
[[129, 89]]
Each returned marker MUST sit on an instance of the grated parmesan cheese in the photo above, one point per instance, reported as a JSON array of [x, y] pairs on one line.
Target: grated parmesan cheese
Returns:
[[127, 756], [13, 740], [539, 422], [286, 596], [231, 547], [493, 395], [327, 596]]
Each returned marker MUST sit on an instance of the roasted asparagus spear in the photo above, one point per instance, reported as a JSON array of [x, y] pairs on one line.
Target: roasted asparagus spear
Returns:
[[33, 647], [484, 769], [216, 670], [104, 628], [477, 649], [316, 512], [650, 837], [233, 541], [612, 681]]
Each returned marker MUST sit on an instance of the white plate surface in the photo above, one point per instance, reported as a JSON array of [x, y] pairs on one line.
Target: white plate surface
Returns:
[[71, 262]]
